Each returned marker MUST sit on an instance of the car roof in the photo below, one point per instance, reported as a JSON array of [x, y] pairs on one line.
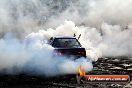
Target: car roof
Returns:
[[64, 37]]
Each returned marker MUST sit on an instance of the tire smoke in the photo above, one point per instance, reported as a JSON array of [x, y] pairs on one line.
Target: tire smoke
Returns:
[[26, 25]]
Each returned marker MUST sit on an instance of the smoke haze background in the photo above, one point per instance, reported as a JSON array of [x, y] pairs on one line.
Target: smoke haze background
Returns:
[[34, 56], [101, 23]]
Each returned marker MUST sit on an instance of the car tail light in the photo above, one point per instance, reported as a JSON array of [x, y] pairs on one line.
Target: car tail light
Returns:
[[82, 53], [58, 53]]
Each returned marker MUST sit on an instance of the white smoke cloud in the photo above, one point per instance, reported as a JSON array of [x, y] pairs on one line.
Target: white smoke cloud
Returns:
[[116, 41], [100, 22], [34, 56], [25, 16], [94, 12], [110, 40]]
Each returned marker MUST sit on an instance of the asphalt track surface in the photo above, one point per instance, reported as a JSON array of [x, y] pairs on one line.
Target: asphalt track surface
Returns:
[[122, 65]]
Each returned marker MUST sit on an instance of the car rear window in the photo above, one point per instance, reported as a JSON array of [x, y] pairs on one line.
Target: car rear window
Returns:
[[66, 43]]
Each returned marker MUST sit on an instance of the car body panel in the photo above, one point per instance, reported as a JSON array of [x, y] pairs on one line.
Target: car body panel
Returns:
[[73, 48]]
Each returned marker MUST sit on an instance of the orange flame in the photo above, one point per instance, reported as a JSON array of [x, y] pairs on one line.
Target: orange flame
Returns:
[[81, 71]]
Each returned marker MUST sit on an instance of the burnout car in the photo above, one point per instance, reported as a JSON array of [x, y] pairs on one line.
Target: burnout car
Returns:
[[67, 46]]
